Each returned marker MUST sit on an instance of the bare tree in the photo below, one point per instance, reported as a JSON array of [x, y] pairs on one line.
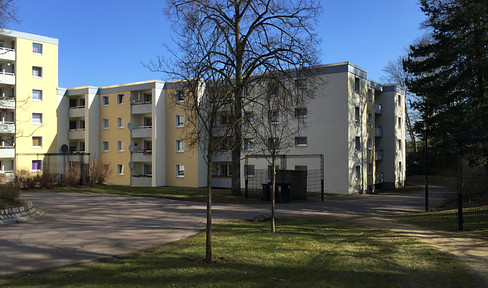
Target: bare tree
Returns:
[[250, 37], [8, 12]]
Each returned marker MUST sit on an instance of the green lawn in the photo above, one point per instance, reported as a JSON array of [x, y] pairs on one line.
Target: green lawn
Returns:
[[474, 221], [407, 189], [319, 252]]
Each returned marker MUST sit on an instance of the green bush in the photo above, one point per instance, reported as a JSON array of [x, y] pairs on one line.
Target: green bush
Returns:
[[9, 196]]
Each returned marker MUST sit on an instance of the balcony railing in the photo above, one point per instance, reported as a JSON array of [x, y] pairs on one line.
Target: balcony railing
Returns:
[[142, 180], [378, 132], [7, 152], [7, 78], [75, 134], [142, 108], [7, 102], [7, 126], [142, 156], [7, 54], [142, 132], [76, 111]]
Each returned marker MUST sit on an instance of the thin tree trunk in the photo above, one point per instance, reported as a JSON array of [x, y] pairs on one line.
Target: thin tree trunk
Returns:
[[273, 197], [208, 243]]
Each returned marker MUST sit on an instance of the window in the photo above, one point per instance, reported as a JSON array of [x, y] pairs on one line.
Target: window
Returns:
[[399, 122], [224, 143], [180, 96], [273, 144], [37, 48], [358, 143], [36, 165], [370, 144], [120, 146], [301, 168], [72, 125], [37, 118], [301, 83], [105, 100], [223, 169], [370, 94], [82, 103], [225, 119], [180, 146], [399, 144], [356, 85], [400, 166], [356, 114], [36, 141], [248, 117], [180, 120], [370, 119], [82, 146], [300, 141], [147, 122], [82, 124], [180, 170], [147, 146], [148, 170], [301, 112], [120, 169], [249, 170], [249, 144], [36, 95], [105, 146], [37, 71], [120, 99], [370, 169], [105, 123], [358, 172], [120, 122], [147, 97], [273, 117], [399, 100]]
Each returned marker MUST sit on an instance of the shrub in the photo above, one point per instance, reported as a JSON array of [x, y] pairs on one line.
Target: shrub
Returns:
[[99, 172], [9, 196], [72, 175], [46, 180], [25, 180]]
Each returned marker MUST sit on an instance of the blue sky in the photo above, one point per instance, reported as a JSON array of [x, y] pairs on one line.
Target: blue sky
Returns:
[[104, 42]]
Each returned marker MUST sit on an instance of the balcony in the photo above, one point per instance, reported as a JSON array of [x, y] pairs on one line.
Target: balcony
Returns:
[[378, 109], [7, 102], [142, 156], [7, 152], [7, 54], [76, 134], [378, 155], [7, 175], [142, 108], [379, 178], [142, 132], [378, 132], [142, 180], [76, 112], [7, 78], [7, 127]]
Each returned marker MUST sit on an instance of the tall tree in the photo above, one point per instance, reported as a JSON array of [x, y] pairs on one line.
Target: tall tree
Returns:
[[7, 12], [451, 71], [252, 37]]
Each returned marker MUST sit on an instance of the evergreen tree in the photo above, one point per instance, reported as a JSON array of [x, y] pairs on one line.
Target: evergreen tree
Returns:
[[450, 72]]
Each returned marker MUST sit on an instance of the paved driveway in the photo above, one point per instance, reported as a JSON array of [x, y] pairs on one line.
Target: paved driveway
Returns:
[[79, 227]]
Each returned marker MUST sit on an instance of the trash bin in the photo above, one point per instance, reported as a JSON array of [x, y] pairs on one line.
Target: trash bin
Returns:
[[266, 192]]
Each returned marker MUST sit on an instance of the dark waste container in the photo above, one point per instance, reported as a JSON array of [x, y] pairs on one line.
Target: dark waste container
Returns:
[[282, 192]]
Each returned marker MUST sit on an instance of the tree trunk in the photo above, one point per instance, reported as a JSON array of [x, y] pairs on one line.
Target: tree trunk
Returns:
[[273, 196], [208, 243]]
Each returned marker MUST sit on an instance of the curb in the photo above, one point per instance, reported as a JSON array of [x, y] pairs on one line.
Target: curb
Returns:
[[20, 214]]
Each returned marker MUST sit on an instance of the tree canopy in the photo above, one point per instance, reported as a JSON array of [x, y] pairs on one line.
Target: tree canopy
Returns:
[[450, 72]]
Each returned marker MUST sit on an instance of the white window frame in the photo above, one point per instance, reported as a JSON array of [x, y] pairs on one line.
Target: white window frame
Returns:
[[120, 122], [120, 169], [105, 123], [248, 144], [120, 99], [120, 146], [301, 109], [40, 93], [105, 146], [180, 146], [180, 170], [180, 96], [107, 102], [38, 170], [180, 120], [41, 70], [297, 141], [41, 118], [38, 45], [357, 114], [36, 147], [357, 143]]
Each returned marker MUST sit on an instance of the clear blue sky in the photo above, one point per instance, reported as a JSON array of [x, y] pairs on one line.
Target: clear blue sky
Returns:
[[104, 42]]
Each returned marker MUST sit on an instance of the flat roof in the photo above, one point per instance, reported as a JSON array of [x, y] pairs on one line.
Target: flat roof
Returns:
[[29, 36]]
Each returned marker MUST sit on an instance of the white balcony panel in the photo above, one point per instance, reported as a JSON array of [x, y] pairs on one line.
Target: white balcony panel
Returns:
[[221, 182], [142, 132], [76, 134], [7, 78], [7, 152], [7, 103], [141, 157], [141, 108], [76, 112], [8, 176], [7, 127], [141, 181], [7, 54]]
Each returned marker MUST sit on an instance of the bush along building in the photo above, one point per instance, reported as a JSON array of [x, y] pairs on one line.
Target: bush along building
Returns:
[[354, 123]]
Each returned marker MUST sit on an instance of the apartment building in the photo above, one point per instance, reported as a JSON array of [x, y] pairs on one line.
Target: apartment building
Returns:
[[28, 100], [138, 128]]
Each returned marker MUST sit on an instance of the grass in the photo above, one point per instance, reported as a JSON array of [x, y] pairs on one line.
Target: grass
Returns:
[[319, 252], [475, 220], [407, 189]]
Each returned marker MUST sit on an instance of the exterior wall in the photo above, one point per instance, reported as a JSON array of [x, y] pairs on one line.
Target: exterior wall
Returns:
[[112, 111], [188, 158], [25, 106]]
